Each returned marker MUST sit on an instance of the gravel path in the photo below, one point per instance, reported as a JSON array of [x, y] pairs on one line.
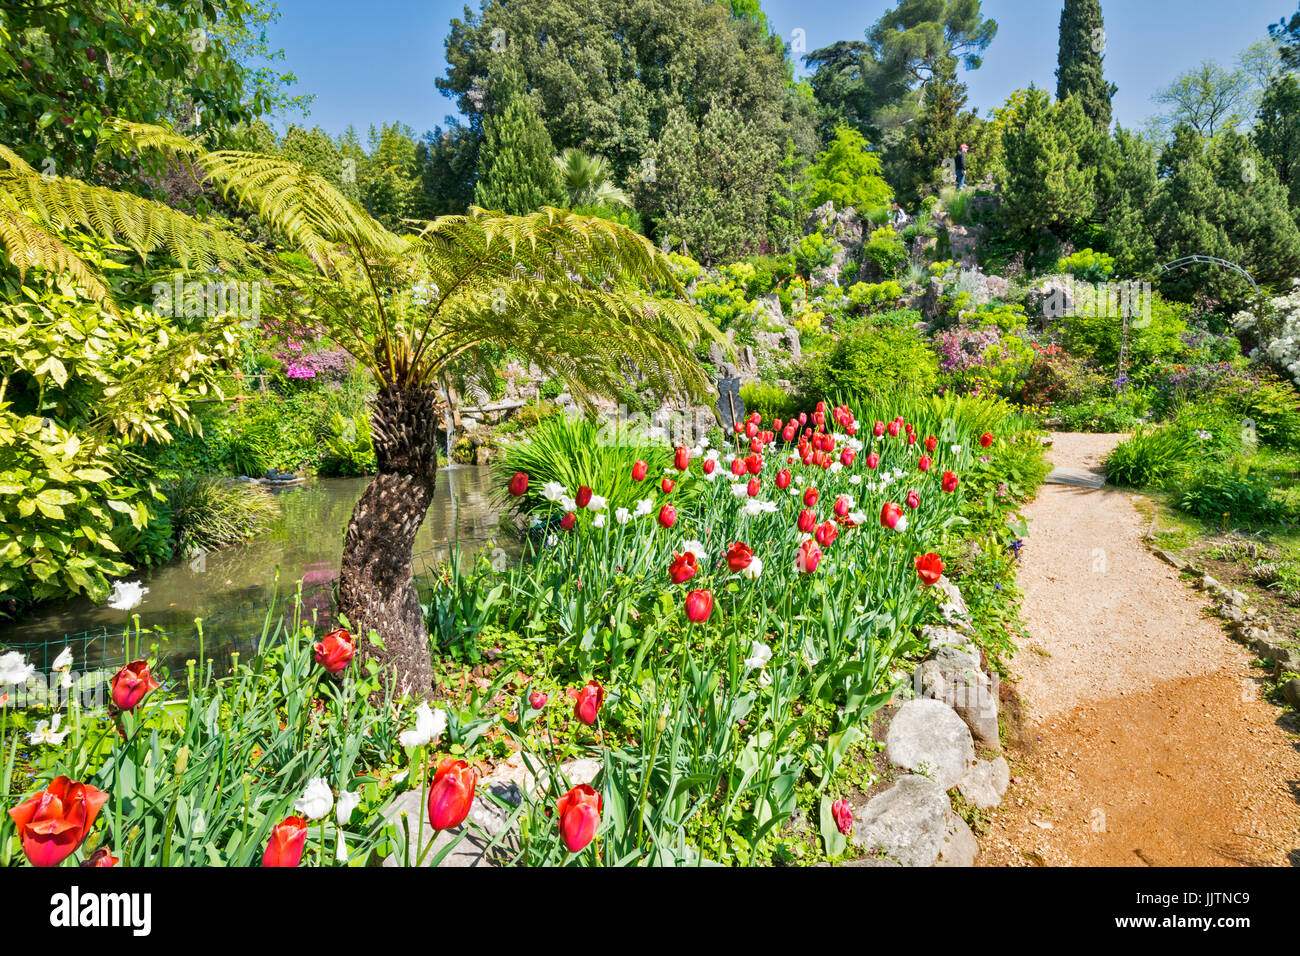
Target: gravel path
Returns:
[[1148, 740]]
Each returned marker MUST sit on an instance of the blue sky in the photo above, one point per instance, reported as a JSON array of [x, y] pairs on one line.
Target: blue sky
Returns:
[[377, 61]]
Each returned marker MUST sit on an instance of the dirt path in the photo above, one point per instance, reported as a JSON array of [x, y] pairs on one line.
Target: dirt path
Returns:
[[1145, 741]]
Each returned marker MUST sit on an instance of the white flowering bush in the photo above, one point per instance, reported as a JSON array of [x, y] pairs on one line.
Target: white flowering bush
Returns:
[[1279, 332]]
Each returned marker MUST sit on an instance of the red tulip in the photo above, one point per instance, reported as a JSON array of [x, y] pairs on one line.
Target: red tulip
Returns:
[[878, 429], [986, 439], [949, 481], [699, 605], [931, 443], [737, 466], [587, 701], [803, 419], [873, 461], [929, 567], [893, 428], [739, 556], [776, 424], [519, 483], [789, 432], [103, 857], [451, 793], [639, 470], [131, 684], [807, 520], [54, 822], [841, 506], [666, 485], [913, 500], [851, 429], [683, 568], [750, 430], [667, 516], [924, 463], [334, 651], [579, 815], [682, 460], [890, 514], [843, 816], [826, 534], [911, 436], [847, 456], [752, 488], [810, 497], [288, 838], [568, 521], [537, 700], [709, 465], [808, 558], [783, 479], [583, 496], [754, 464]]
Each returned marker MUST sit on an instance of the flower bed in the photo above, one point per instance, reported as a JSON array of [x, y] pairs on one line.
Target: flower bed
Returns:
[[683, 671]]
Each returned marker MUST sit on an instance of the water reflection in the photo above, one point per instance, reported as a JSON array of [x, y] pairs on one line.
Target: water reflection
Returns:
[[232, 589]]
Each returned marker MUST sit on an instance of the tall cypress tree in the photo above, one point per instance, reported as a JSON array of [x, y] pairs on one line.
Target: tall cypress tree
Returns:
[[516, 161], [1079, 69]]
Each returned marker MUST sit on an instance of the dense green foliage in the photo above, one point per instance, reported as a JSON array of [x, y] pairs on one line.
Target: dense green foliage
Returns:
[[1079, 60]]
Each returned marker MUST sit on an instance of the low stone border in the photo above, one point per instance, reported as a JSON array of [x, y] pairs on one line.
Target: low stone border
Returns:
[[1246, 624], [934, 736]]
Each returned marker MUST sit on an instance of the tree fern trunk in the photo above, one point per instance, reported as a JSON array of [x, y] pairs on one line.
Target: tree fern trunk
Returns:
[[375, 589]]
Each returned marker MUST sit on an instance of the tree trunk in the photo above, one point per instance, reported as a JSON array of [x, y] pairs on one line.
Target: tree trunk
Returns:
[[375, 589]]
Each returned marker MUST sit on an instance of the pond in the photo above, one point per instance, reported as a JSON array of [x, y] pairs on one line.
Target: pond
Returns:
[[232, 589]]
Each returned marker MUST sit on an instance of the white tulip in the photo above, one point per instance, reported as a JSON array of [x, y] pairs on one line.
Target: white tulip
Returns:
[[63, 661], [622, 516], [597, 503], [598, 521], [347, 803], [126, 595], [429, 724], [754, 570], [14, 670], [567, 503], [644, 507], [759, 655], [552, 490], [316, 800]]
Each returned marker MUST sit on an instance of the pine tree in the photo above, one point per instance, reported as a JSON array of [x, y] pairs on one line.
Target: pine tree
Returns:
[[934, 138], [1046, 186], [517, 173], [1277, 133], [1079, 62]]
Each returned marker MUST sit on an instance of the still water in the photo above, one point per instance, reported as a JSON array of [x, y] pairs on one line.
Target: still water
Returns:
[[232, 589]]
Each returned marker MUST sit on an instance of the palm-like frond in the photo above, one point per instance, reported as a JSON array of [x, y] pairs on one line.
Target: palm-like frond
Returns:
[[35, 208]]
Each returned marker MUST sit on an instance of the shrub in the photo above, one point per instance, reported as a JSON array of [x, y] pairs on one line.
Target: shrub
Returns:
[[1093, 332], [1232, 494], [871, 361], [351, 452], [885, 248], [1056, 377], [1152, 456], [1088, 266], [814, 251], [866, 297], [770, 401], [209, 513]]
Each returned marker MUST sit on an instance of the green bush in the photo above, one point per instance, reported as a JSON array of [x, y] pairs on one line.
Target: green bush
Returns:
[[1113, 413], [208, 512], [1151, 457], [871, 361], [351, 451], [1094, 331], [814, 251], [1231, 494], [867, 297], [770, 401], [1088, 266], [885, 248]]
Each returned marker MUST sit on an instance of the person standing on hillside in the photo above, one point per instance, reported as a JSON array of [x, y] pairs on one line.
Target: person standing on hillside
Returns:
[[959, 166]]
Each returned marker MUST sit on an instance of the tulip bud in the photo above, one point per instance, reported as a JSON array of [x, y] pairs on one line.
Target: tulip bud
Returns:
[[783, 479], [578, 812], [639, 471], [682, 459], [518, 483], [583, 496], [709, 465], [752, 487], [288, 839], [699, 605], [451, 794], [537, 700], [667, 485], [587, 702], [949, 481], [986, 440], [568, 521], [807, 521], [810, 497], [667, 516], [842, 813]]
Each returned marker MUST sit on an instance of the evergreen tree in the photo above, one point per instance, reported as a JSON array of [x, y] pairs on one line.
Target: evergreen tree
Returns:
[[1277, 134], [937, 134], [516, 165], [848, 174], [1046, 186], [1126, 189], [1079, 61], [389, 179], [1220, 197], [708, 186], [448, 162]]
